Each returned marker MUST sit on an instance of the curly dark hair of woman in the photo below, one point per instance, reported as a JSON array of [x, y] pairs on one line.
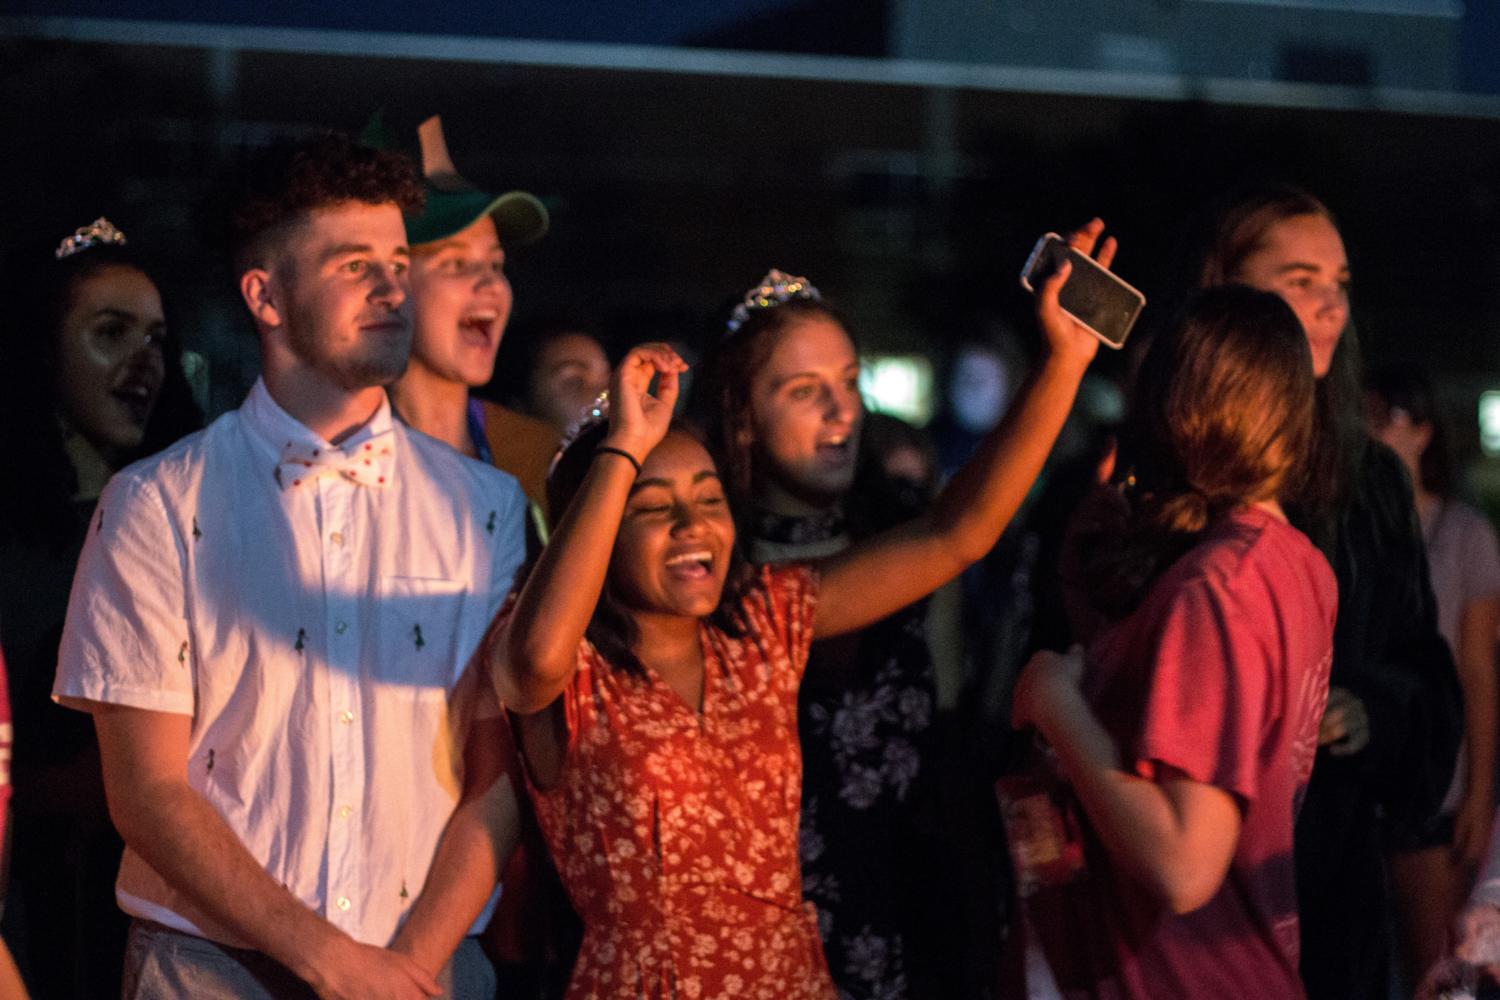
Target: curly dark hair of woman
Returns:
[[283, 183], [611, 629], [1223, 416], [39, 482]]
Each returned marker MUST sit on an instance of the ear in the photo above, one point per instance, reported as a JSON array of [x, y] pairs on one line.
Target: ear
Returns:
[[261, 298]]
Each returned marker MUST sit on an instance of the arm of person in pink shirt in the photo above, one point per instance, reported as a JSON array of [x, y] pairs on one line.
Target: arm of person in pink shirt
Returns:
[[182, 837], [1173, 836], [474, 848]]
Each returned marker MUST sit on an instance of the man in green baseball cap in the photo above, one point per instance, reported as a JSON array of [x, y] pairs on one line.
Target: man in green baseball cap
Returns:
[[461, 301]]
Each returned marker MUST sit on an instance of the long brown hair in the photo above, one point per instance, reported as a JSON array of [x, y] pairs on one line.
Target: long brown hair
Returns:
[[1222, 417], [1236, 230]]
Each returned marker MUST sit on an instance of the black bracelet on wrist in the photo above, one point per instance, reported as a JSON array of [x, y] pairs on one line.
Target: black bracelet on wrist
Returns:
[[605, 449]]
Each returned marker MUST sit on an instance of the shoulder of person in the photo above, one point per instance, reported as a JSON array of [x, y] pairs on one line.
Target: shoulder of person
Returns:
[[449, 466]]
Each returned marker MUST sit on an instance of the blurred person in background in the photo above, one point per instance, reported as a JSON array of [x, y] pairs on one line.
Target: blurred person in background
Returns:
[[567, 369], [1431, 884], [1390, 735], [90, 379]]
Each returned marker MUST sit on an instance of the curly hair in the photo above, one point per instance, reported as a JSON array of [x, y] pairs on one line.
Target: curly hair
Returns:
[[288, 181], [1223, 416]]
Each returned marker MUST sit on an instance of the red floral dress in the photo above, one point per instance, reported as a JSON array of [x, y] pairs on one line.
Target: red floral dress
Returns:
[[675, 832]]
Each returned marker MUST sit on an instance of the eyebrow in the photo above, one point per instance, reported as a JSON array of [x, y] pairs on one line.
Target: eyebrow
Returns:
[[1301, 266], [778, 383], [698, 477], [429, 249], [350, 249], [114, 312]]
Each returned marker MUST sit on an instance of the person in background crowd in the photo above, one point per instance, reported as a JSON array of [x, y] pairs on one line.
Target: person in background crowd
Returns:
[[1463, 556], [90, 379], [461, 302], [568, 369], [271, 626], [10, 977], [1390, 736], [641, 679], [1186, 733]]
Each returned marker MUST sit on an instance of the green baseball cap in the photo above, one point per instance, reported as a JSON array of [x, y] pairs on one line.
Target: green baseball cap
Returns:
[[453, 204]]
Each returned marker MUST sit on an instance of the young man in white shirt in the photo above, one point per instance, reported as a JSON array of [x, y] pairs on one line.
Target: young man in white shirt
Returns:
[[272, 623]]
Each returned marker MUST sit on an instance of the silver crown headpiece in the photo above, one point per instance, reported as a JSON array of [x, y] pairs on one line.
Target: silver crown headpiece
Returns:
[[776, 288], [596, 412], [99, 232]]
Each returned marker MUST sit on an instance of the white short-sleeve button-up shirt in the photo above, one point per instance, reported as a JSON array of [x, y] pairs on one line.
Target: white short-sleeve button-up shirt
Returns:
[[319, 634]]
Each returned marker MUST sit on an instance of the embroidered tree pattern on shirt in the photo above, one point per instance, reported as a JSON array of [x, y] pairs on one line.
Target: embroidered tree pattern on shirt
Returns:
[[301, 640], [489, 525], [416, 636]]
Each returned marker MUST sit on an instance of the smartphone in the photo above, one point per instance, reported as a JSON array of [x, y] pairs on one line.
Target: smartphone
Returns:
[[1092, 295]]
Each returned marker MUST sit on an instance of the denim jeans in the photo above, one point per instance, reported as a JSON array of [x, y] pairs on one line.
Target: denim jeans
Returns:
[[163, 964]]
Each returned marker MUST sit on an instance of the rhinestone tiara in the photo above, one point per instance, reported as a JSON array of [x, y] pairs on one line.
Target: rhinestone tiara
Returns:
[[776, 288], [99, 232]]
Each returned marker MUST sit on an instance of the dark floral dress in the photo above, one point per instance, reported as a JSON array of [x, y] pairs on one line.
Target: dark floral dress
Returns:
[[865, 713]]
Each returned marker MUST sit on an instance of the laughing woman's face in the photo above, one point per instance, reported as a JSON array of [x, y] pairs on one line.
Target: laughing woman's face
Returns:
[[110, 364]]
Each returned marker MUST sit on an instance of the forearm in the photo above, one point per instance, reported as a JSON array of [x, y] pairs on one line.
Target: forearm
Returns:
[[535, 657], [473, 851], [965, 521], [1476, 675], [1134, 818], [187, 843]]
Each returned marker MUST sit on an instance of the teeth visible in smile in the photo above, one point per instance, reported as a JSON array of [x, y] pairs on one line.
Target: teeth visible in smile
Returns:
[[837, 441], [688, 557]]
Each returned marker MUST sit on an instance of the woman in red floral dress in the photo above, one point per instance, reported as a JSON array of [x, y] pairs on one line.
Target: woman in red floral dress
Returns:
[[654, 679]]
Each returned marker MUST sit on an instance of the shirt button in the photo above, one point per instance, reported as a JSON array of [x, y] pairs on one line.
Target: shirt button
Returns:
[[337, 538], [343, 903], [341, 628], [345, 811], [346, 716]]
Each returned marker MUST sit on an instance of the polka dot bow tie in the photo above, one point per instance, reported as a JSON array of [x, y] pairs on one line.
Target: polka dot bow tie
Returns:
[[369, 464]]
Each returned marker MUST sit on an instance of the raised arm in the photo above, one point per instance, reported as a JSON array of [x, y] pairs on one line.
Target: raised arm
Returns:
[[533, 656], [182, 837], [869, 581]]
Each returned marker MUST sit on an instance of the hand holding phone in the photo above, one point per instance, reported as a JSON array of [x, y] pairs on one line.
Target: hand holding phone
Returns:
[[1092, 294]]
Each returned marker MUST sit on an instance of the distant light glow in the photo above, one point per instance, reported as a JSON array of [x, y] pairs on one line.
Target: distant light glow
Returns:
[[1489, 422], [899, 385]]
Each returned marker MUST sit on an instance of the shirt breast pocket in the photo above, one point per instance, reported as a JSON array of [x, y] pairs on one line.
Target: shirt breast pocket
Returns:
[[420, 622]]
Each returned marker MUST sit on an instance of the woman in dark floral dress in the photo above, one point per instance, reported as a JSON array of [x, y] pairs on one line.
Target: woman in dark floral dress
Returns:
[[782, 404]]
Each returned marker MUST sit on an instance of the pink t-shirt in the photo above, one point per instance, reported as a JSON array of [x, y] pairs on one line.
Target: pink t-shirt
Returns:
[[1222, 674]]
